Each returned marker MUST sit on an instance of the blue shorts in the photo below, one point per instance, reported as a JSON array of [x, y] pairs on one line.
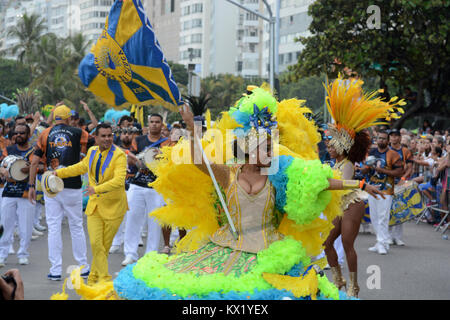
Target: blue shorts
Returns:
[[425, 186]]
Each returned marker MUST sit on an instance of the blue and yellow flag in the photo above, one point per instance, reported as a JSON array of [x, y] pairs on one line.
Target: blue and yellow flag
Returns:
[[126, 65]]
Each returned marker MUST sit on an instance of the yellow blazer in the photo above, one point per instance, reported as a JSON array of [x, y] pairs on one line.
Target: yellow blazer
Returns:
[[110, 199]]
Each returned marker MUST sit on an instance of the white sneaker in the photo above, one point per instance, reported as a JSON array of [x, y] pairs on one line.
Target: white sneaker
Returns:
[[114, 249], [37, 233], [11, 250], [2, 262], [381, 249], [39, 227], [374, 248], [390, 241], [128, 260], [23, 261], [399, 242], [34, 237]]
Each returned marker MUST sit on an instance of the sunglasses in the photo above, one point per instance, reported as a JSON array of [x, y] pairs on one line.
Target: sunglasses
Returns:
[[128, 131]]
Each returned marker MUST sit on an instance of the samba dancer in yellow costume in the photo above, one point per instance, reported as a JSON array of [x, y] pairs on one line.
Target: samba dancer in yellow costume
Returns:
[[277, 217], [352, 112]]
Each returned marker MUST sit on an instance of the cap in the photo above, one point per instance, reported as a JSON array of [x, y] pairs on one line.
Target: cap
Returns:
[[74, 114], [395, 132], [62, 113]]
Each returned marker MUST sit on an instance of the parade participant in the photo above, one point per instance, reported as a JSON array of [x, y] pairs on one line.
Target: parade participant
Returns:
[[388, 165], [126, 138], [212, 264], [143, 198], [353, 112], [395, 139], [61, 146], [15, 206], [106, 165]]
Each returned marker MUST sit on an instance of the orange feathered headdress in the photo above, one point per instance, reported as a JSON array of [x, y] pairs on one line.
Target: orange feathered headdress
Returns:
[[353, 110]]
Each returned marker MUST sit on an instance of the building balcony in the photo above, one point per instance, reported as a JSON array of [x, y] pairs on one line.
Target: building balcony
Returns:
[[250, 39], [250, 23], [250, 55], [250, 72]]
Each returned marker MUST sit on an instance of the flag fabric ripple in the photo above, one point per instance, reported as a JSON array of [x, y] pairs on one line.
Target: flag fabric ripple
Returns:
[[126, 65]]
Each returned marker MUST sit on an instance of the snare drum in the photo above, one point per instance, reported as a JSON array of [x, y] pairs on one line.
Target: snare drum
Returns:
[[14, 164]]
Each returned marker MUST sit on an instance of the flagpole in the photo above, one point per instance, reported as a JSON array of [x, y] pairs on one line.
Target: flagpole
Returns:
[[216, 186]]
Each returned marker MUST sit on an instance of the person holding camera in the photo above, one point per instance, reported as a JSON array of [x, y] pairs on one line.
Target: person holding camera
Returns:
[[11, 286]]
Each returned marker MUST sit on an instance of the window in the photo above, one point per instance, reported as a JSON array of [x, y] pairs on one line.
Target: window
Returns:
[[196, 8], [185, 11], [197, 23], [196, 38]]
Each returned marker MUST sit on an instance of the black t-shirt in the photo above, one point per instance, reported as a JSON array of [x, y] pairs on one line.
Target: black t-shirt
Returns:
[[61, 145], [17, 189], [144, 176]]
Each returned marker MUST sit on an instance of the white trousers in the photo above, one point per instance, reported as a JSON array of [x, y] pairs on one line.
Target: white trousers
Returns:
[[37, 213], [379, 216], [141, 202], [68, 202], [18, 211], [396, 232]]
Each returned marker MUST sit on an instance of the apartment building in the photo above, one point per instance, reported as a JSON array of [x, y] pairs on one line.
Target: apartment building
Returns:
[[294, 22], [164, 16]]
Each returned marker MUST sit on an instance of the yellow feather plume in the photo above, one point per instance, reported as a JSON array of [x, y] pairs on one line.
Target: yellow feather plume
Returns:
[[354, 110]]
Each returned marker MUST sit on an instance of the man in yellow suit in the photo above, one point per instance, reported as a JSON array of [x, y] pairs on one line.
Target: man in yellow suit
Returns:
[[106, 165]]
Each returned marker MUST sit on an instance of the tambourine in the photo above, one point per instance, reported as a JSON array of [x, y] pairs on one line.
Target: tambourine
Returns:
[[14, 165]]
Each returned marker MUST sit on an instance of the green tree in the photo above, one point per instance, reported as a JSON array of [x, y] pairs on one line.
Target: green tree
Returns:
[[13, 75], [28, 31], [410, 47], [179, 72]]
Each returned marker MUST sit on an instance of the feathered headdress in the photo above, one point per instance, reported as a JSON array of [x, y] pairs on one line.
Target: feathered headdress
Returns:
[[255, 113], [353, 110]]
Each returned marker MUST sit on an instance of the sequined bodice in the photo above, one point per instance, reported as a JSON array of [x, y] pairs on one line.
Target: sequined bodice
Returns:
[[252, 216]]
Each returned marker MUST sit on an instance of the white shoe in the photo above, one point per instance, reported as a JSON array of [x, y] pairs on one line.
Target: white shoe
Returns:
[[128, 260], [37, 233], [23, 261], [381, 249], [11, 250], [144, 234], [114, 249], [399, 242], [34, 237], [390, 242], [374, 248], [39, 227], [2, 262]]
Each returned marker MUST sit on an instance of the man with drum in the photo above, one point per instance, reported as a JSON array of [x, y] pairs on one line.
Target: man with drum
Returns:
[[381, 173], [143, 199], [395, 138], [15, 206], [60, 146]]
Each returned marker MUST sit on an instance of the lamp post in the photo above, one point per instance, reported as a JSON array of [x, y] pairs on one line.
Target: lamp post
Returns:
[[272, 47]]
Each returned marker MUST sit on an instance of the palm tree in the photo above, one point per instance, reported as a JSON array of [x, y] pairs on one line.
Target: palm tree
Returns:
[[79, 47], [28, 31]]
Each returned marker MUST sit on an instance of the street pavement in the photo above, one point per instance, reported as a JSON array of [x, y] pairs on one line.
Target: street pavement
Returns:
[[420, 270]]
